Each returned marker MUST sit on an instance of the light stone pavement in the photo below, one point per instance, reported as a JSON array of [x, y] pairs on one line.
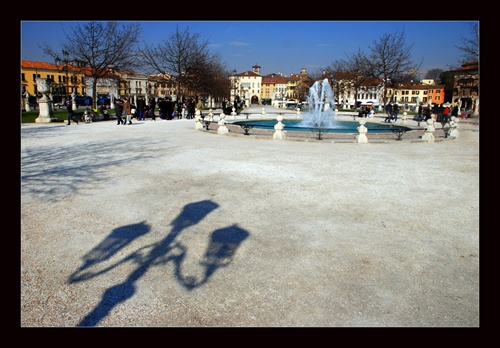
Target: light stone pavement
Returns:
[[157, 224]]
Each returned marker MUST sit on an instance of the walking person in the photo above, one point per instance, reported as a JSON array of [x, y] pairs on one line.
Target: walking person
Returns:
[[388, 111], [420, 115], [199, 105], [162, 106], [446, 114], [127, 111], [152, 106], [169, 107], [439, 110], [180, 109], [395, 111], [141, 109], [119, 111], [69, 107], [191, 108]]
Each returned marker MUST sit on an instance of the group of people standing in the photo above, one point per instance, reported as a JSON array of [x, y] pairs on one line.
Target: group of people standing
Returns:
[[125, 110], [439, 112], [392, 111]]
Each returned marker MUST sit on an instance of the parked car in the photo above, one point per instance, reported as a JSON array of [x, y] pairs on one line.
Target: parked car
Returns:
[[103, 100], [83, 101]]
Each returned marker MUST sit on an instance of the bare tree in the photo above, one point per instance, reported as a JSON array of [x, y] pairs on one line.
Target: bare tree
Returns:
[[352, 72], [434, 74], [99, 46], [469, 46], [186, 58], [391, 60]]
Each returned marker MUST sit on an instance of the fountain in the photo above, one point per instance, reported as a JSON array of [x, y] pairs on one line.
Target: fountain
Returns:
[[321, 107], [319, 117]]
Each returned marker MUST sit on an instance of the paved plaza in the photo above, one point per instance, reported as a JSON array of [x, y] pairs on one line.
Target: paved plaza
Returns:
[[158, 224]]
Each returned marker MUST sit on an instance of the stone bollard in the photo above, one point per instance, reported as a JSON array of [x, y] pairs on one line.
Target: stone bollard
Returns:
[[222, 125], [279, 134], [233, 113], [429, 131], [453, 131], [405, 121], [263, 111], [372, 113], [197, 120], [362, 130]]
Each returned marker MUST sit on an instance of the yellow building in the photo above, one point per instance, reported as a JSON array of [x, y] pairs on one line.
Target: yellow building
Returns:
[[66, 79]]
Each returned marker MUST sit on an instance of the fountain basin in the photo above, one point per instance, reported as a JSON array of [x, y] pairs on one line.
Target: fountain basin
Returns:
[[338, 127]]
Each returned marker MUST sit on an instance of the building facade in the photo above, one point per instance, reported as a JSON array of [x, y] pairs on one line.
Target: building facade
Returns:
[[466, 87]]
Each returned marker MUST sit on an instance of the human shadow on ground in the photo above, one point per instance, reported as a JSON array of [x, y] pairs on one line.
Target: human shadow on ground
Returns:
[[219, 252]]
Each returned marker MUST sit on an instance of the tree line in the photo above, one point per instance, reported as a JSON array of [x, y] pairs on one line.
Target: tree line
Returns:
[[185, 56]]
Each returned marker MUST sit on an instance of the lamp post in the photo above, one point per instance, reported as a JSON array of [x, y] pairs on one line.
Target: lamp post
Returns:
[[64, 62], [233, 85]]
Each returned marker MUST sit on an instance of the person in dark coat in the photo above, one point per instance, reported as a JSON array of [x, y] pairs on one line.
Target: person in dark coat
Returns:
[[169, 109], [388, 111], [141, 109], [162, 105], [119, 111], [395, 111], [152, 106], [69, 107]]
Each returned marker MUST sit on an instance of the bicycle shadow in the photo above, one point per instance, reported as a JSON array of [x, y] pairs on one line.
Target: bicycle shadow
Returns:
[[219, 253]]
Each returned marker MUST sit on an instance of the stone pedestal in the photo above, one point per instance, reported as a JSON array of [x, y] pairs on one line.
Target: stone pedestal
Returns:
[[405, 118], [45, 104], [279, 134], [197, 119], [453, 131], [361, 138], [222, 125], [429, 131]]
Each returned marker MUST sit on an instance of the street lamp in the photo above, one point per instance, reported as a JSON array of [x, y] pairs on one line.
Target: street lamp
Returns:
[[233, 85], [64, 62]]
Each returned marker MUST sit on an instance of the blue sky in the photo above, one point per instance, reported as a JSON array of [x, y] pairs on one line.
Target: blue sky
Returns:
[[281, 46]]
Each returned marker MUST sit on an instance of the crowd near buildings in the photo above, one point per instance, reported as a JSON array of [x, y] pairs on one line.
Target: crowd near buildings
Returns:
[[248, 87]]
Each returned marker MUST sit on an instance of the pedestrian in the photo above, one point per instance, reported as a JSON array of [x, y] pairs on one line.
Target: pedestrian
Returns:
[[395, 111], [224, 106], [162, 106], [141, 109], [388, 111], [69, 107], [190, 108], [427, 113], [199, 105], [152, 106], [180, 108], [440, 109], [446, 114], [127, 111], [169, 108], [434, 112], [119, 111], [420, 116]]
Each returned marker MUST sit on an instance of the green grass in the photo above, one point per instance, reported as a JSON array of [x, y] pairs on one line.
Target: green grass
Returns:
[[30, 116]]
